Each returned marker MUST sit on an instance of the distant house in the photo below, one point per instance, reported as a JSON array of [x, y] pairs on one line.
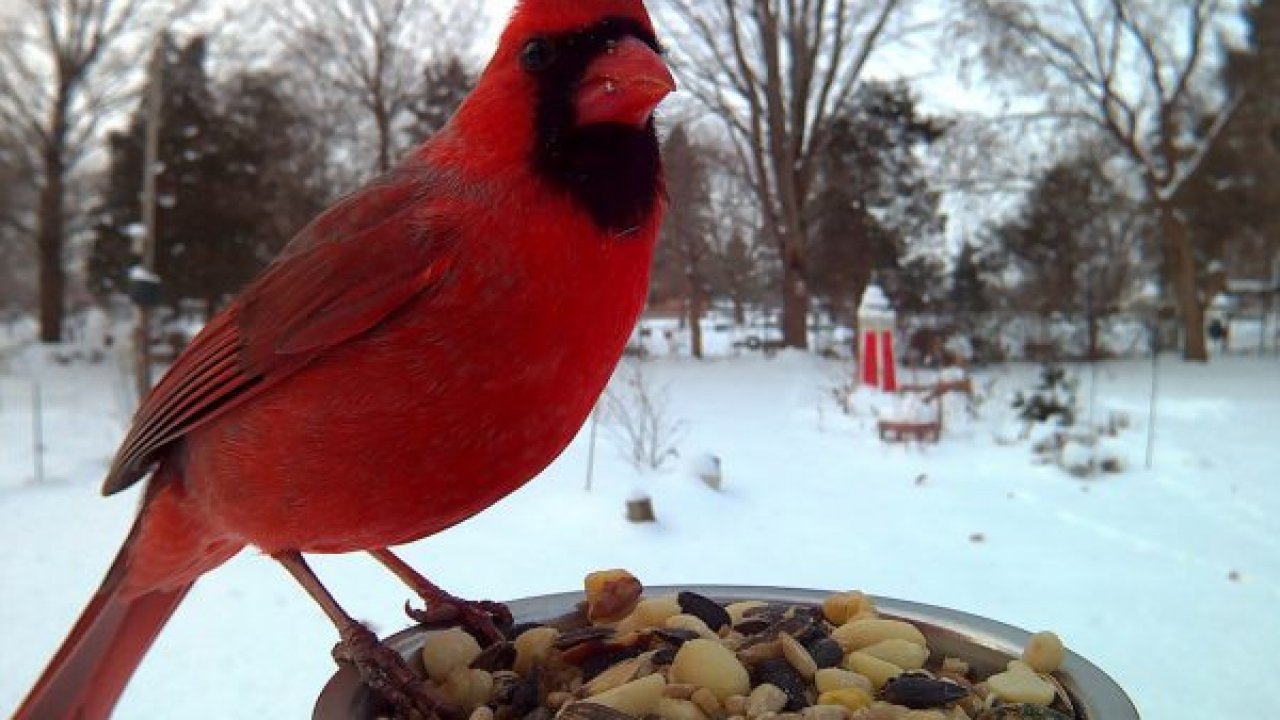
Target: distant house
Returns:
[[1249, 309]]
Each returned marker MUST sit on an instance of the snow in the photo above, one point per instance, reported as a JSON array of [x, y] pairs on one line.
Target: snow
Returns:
[[140, 273], [1167, 578]]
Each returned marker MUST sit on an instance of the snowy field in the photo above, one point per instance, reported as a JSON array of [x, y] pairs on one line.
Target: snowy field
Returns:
[[1167, 578]]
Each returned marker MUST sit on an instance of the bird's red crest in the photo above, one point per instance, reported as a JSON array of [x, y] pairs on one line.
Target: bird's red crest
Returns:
[[551, 16]]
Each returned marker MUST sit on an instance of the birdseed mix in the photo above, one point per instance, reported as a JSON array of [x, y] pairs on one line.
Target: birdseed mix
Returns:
[[625, 655]]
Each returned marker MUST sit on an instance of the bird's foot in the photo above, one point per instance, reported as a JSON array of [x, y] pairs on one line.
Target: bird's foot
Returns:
[[490, 621], [386, 673]]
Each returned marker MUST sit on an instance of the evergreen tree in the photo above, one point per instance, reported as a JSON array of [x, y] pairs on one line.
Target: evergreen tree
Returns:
[[186, 217], [445, 84], [968, 281], [918, 284], [118, 219], [235, 180], [273, 180], [1077, 244], [874, 200], [1234, 204]]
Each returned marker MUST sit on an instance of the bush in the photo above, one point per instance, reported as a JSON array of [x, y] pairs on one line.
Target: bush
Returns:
[[1054, 397]]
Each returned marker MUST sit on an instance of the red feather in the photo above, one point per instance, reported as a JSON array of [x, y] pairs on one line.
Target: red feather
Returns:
[[355, 264]]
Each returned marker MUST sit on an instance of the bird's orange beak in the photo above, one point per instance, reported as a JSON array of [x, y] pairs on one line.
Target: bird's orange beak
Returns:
[[624, 85]]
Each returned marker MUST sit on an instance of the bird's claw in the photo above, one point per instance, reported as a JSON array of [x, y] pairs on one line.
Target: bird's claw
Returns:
[[491, 621], [385, 672]]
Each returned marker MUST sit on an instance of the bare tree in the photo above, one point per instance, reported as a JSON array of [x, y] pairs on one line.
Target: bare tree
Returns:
[[1135, 70], [775, 71], [63, 69], [683, 255], [363, 62], [740, 262]]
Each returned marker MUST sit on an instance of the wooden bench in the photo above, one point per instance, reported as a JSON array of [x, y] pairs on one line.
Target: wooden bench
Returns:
[[931, 431], [896, 431]]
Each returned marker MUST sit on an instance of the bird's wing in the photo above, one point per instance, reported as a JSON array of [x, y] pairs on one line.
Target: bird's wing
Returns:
[[339, 277]]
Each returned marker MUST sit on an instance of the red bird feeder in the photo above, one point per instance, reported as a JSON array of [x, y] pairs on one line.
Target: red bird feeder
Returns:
[[877, 366]]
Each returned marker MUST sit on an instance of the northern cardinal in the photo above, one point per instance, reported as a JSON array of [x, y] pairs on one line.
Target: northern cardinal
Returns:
[[423, 348]]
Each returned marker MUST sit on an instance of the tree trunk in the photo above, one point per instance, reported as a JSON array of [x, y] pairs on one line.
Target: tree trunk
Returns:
[[1091, 322], [795, 306], [695, 324], [49, 239], [382, 119], [1181, 266]]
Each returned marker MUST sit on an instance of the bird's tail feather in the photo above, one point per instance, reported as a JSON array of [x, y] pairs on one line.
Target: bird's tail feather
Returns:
[[88, 674]]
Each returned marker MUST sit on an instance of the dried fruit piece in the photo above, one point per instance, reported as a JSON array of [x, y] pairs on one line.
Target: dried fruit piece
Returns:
[[611, 595], [778, 672], [515, 694], [498, 656], [827, 652]]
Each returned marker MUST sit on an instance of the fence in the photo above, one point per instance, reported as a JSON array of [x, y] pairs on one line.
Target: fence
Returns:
[[941, 338]]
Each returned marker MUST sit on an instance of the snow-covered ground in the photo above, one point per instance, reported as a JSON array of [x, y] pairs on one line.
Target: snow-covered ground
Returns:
[[1167, 578]]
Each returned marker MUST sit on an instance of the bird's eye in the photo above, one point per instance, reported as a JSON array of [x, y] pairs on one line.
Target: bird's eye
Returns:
[[537, 54]]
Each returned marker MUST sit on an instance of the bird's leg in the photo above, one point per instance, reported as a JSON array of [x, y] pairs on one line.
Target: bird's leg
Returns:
[[380, 667], [488, 619]]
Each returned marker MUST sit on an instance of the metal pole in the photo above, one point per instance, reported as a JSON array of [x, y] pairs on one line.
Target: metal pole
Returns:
[[147, 252], [591, 448], [37, 430], [1155, 387]]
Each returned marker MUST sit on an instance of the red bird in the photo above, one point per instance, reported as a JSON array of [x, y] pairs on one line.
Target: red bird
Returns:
[[423, 348]]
